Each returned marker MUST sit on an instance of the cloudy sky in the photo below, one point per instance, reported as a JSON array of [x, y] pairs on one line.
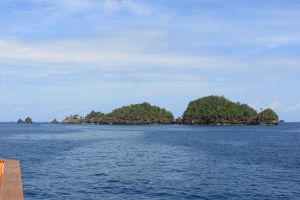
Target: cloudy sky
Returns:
[[63, 57]]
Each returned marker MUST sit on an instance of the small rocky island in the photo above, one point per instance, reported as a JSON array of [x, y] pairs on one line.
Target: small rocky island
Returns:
[[73, 120], [210, 110], [54, 121], [27, 120]]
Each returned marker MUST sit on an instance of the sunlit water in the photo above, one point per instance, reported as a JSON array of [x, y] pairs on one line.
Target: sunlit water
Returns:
[[155, 162]]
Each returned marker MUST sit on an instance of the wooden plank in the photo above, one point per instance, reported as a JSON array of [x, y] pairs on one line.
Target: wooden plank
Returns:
[[11, 185]]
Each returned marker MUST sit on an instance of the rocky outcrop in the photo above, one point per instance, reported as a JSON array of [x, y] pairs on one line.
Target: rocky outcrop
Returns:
[[28, 120], [54, 121], [73, 120], [20, 121]]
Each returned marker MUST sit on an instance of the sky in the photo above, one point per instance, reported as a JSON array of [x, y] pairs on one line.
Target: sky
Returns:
[[64, 57]]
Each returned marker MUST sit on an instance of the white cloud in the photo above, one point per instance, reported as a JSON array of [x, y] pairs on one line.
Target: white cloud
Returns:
[[275, 41], [100, 54], [63, 107], [255, 105], [19, 109], [294, 108], [278, 107], [6, 80], [136, 49], [92, 6], [275, 105]]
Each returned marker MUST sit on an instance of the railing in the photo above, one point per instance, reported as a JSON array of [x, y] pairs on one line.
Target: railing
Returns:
[[10, 180]]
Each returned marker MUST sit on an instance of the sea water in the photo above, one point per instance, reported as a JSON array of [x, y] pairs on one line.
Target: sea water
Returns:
[[155, 162]]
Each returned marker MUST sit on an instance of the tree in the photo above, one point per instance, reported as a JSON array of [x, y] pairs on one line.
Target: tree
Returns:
[[28, 120]]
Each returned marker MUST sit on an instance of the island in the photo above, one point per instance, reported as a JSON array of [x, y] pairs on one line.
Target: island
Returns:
[[54, 121], [142, 113], [217, 110], [210, 110], [27, 120], [73, 120]]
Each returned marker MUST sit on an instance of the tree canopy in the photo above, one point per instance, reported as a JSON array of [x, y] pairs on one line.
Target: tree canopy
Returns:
[[140, 114], [217, 109], [266, 117]]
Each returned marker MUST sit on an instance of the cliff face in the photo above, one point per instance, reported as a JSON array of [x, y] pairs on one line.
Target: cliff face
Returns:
[[216, 110]]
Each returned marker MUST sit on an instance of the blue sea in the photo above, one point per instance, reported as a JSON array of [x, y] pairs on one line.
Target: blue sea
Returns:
[[155, 162]]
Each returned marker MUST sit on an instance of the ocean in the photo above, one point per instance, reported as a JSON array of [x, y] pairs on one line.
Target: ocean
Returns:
[[155, 161]]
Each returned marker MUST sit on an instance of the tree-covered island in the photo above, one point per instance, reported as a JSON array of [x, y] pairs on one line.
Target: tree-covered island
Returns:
[[210, 110], [217, 110], [28, 120], [142, 113]]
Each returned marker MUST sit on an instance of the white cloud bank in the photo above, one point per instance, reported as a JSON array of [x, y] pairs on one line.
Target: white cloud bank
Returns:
[[278, 107], [294, 108]]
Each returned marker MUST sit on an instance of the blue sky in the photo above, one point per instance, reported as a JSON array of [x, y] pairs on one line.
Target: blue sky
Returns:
[[64, 57]]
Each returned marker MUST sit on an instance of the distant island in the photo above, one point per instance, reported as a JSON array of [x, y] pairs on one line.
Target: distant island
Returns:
[[217, 110], [133, 114], [54, 121], [27, 120], [210, 110]]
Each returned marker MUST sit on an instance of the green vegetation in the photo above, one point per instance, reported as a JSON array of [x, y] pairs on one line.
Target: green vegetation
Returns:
[[133, 114], [28, 120], [73, 119], [267, 116], [95, 115], [217, 109], [139, 114], [54, 121], [210, 110], [20, 121]]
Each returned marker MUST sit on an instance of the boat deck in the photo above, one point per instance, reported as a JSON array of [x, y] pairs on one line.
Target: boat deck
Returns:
[[10, 180]]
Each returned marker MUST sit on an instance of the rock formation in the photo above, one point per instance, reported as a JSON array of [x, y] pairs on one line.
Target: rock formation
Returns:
[[54, 121], [73, 120], [28, 120]]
